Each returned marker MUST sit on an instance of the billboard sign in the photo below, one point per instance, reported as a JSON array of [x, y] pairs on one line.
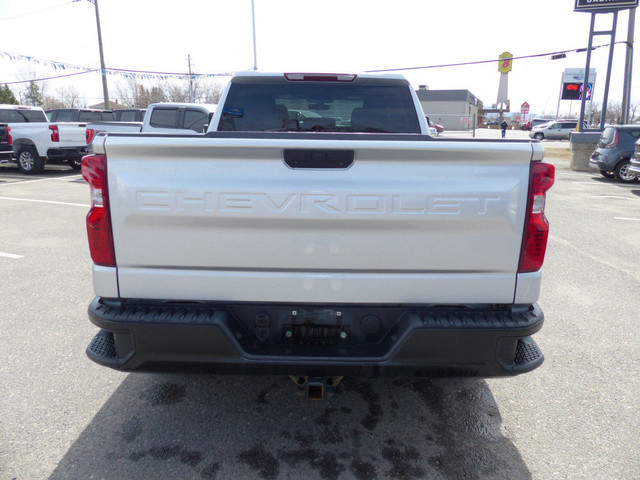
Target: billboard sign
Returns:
[[573, 91], [577, 75], [603, 5], [506, 62]]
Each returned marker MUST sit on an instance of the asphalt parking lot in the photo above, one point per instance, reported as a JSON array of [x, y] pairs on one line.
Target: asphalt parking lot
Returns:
[[576, 417]]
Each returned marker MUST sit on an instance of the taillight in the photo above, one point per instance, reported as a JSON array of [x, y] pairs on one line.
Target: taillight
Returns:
[[99, 232], [55, 133], [320, 77], [9, 139], [90, 133], [536, 228], [616, 138]]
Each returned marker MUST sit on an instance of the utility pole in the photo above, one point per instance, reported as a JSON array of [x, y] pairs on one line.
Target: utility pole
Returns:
[[191, 92], [628, 66], [105, 90]]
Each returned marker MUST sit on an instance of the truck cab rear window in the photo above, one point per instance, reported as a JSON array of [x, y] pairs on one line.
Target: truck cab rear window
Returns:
[[195, 120], [22, 116], [96, 117], [319, 107], [164, 118]]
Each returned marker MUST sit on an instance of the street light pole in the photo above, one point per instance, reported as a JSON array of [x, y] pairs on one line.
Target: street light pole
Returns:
[[253, 21], [105, 91]]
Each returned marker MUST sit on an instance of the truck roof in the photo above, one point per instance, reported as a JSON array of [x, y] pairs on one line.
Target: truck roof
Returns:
[[77, 110], [8, 106], [250, 75], [208, 106]]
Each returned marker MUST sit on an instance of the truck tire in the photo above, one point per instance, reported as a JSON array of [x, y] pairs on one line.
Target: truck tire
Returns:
[[29, 162], [622, 173]]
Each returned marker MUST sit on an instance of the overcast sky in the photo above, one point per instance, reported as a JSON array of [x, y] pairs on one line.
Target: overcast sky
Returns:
[[307, 35]]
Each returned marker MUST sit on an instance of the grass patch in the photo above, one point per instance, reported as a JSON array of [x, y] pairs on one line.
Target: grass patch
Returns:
[[559, 153]]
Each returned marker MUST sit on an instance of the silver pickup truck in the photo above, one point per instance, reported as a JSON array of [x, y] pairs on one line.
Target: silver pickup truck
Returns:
[[165, 118], [341, 242]]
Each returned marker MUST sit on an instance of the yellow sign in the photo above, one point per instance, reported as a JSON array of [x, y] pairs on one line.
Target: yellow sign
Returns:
[[505, 63]]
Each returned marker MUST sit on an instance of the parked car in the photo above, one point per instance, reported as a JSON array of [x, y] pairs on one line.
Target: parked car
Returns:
[[36, 141], [433, 131], [438, 127], [536, 122], [614, 152], [174, 118], [6, 149], [634, 164], [554, 130], [79, 115]]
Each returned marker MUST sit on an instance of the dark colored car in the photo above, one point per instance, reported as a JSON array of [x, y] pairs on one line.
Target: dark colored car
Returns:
[[79, 115], [6, 149], [615, 149]]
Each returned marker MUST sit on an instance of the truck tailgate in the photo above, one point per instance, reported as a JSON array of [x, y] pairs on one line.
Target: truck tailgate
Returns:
[[72, 134], [225, 219]]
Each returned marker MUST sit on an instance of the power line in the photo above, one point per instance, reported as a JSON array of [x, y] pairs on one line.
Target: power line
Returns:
[[51, 78], [177, 74], [126, 72], [37, 11], [479, 62]]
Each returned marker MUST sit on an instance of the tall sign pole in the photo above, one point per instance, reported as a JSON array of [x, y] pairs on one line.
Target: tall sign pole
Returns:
[[628, 66], [583, 102], [105, 90], [608, 6], [505, 65], [607, 80]]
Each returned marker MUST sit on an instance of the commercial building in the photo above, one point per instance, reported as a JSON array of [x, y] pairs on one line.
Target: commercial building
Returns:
[[453, 109]]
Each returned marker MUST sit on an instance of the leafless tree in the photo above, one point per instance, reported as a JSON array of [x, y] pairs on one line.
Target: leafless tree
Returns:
[[32, 93], [132, 92]]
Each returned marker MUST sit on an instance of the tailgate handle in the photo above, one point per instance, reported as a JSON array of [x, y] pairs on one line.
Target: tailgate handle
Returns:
[[314, 158]]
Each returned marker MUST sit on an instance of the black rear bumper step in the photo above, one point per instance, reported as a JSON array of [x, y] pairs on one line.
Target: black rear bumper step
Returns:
[[316, 340]]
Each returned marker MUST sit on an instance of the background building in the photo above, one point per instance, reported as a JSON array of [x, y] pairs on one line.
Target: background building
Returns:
[[453, 109]]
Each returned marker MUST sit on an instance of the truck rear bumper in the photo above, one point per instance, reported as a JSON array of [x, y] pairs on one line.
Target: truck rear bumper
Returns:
[[315, 340], [5, 155], [67, 152]]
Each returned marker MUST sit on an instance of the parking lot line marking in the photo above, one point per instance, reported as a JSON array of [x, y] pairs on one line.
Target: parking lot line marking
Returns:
[[67, 178], [45, 201], [10, 255], [567, 243], [613, 196], [627, 218], [22, 182]]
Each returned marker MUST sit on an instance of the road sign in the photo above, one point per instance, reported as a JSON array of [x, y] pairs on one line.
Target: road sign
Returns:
[[524, 108], [603, 5]]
